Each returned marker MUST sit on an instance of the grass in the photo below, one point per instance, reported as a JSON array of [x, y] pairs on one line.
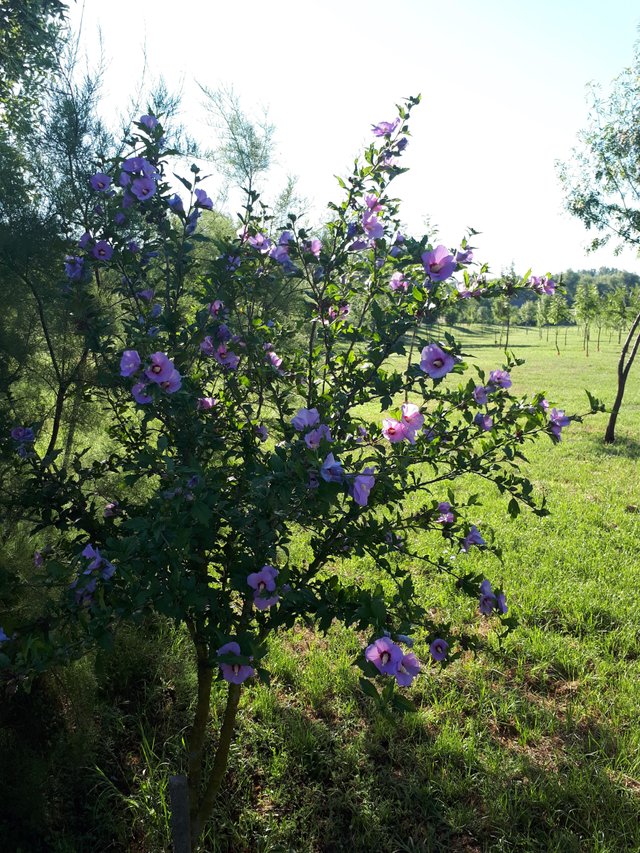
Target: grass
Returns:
[[533, 745]]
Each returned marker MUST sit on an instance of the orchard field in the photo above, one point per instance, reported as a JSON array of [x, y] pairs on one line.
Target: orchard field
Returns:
[[531, 745]]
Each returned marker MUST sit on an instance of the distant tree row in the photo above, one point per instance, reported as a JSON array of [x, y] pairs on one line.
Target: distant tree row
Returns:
[[597, 302]]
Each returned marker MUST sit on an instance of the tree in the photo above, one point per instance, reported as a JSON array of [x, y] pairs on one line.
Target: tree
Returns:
[[602, 187], [230, 442]]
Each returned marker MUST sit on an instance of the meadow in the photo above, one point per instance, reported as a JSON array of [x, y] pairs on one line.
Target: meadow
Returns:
[[531, 745]]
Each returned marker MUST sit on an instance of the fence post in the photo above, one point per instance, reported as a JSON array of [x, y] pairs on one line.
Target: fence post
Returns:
[[180, 828]]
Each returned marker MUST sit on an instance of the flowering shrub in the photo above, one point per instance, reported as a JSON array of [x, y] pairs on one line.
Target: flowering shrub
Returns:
[[234, 433]]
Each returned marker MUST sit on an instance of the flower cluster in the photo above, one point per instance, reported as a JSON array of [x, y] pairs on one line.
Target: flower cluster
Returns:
[[86, 583], [490, 601], [406, 428], [160, 371]]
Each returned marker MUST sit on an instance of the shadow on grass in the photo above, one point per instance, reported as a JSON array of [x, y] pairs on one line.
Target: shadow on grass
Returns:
[[624, 446], [309, 784]]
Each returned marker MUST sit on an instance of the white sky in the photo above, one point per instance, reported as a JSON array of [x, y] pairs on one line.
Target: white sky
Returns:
[[502, 81]]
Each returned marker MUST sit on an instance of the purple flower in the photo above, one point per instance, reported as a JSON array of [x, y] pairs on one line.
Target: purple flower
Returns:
[[485, 422], [501, 603], [464, 256], [385, 655], [236, 673], [438, 649], [3, 637], [100, 182], [486, 604], [543, 285], [146, 294], [139, 164], [143, 188], [23, 435], [97, 562], [111, 509], [407, 670], [205, 404], [192, 221], [226, 358], [149, 121], [129, 363], [438, 264], [500, 379], [160, 369], [305, 418], [480, 395], [102, 250], [133, 246], [385, 128], [140, 394], [84, 241], [558, 420], [260, 242], [362, 486], [473, 537], [262, 432], [73, 267], [374, 229], [399, 282], [233, 262], [119, 218], [435, 362], [263, 582], [203, 200], [331, 470], [314, 482], [446, 516], [313, 438], [176, 203], [38, 559]]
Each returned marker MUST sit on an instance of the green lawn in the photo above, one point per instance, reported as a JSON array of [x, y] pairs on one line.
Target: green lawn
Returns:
[[530, 746]]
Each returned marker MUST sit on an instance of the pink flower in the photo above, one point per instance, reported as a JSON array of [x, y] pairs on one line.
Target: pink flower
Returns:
[[399, 282], [205, 404], [374, 229], [395, 431], [412, 418]]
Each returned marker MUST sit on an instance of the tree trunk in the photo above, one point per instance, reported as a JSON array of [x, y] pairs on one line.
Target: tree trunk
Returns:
[[623, 373]]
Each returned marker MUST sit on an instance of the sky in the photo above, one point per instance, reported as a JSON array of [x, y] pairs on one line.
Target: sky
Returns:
[[503, 86]]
